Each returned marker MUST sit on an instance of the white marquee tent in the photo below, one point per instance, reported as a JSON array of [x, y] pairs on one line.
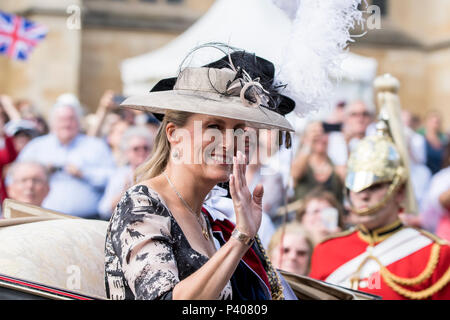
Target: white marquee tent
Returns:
[[258, 26]]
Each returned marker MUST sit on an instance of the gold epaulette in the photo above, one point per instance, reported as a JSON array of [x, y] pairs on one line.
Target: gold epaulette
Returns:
[[339, 234], [433, 237], [395, 282]]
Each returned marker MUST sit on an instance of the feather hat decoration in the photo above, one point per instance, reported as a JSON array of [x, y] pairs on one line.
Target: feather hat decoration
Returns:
[[319, 38]]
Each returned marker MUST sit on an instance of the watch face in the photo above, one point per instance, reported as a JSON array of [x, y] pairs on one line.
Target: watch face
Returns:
[[242, 237]]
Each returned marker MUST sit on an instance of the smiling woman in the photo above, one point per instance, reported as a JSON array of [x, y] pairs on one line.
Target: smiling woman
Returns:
[[160, 242]]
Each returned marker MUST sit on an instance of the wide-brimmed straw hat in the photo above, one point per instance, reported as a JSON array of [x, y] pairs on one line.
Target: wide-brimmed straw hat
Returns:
[[238, 86]]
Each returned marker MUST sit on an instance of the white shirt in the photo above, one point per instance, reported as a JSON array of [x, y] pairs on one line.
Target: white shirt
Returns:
[[68, 194]]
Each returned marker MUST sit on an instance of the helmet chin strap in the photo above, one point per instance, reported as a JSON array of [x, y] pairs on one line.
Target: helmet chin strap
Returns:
[[393, 188]]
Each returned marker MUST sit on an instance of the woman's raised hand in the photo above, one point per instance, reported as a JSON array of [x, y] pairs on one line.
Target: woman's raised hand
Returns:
[[248, 207]]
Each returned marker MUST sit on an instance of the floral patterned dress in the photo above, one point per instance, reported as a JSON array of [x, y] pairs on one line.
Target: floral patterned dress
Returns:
[[146, 252]]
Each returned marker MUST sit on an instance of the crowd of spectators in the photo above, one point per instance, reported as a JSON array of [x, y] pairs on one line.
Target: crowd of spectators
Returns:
[[74, 163], [316, 201], [80, 164]]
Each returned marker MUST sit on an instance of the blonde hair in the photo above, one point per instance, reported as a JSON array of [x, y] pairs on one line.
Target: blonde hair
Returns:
[[289, 228], [159, 158]]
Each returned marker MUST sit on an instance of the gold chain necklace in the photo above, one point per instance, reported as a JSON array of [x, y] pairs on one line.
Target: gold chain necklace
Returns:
[[199, 220]]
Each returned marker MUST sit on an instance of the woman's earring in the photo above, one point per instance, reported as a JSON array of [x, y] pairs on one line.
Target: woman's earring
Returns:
[[176, 154]]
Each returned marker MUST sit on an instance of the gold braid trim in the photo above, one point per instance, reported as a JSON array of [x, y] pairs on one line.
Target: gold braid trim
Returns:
[[394, 281], [424, 275], [276, 288], [418, 295]]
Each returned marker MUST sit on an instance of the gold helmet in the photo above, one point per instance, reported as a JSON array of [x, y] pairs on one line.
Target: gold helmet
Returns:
[[375, 160], [382, 158]]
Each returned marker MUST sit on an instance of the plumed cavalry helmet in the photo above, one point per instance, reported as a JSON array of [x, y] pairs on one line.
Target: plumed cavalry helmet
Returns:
[[382, 157], [375, 160]]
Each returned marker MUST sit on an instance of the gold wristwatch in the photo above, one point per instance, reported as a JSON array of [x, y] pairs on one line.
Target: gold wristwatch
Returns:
[[242, 237]]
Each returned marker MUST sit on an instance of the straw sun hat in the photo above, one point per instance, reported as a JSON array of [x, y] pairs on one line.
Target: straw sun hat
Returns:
[[238, 86]]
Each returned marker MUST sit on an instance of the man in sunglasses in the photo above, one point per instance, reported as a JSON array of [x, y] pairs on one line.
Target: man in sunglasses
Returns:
[[357, 118]]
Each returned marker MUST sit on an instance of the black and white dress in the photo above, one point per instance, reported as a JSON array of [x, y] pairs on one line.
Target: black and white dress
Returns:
[[146, 252]]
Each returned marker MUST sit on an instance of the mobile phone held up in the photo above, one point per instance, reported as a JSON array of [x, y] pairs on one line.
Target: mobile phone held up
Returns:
[[330, 218]]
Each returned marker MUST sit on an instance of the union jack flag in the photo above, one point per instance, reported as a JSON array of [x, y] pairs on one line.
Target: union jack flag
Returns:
[[18, 36]]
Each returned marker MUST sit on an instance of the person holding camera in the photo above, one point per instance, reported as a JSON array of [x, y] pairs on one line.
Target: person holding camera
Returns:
[[312, 167], [321, 215]]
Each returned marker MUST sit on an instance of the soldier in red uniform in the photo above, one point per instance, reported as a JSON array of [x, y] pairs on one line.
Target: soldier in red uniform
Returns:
[[380, 255]]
